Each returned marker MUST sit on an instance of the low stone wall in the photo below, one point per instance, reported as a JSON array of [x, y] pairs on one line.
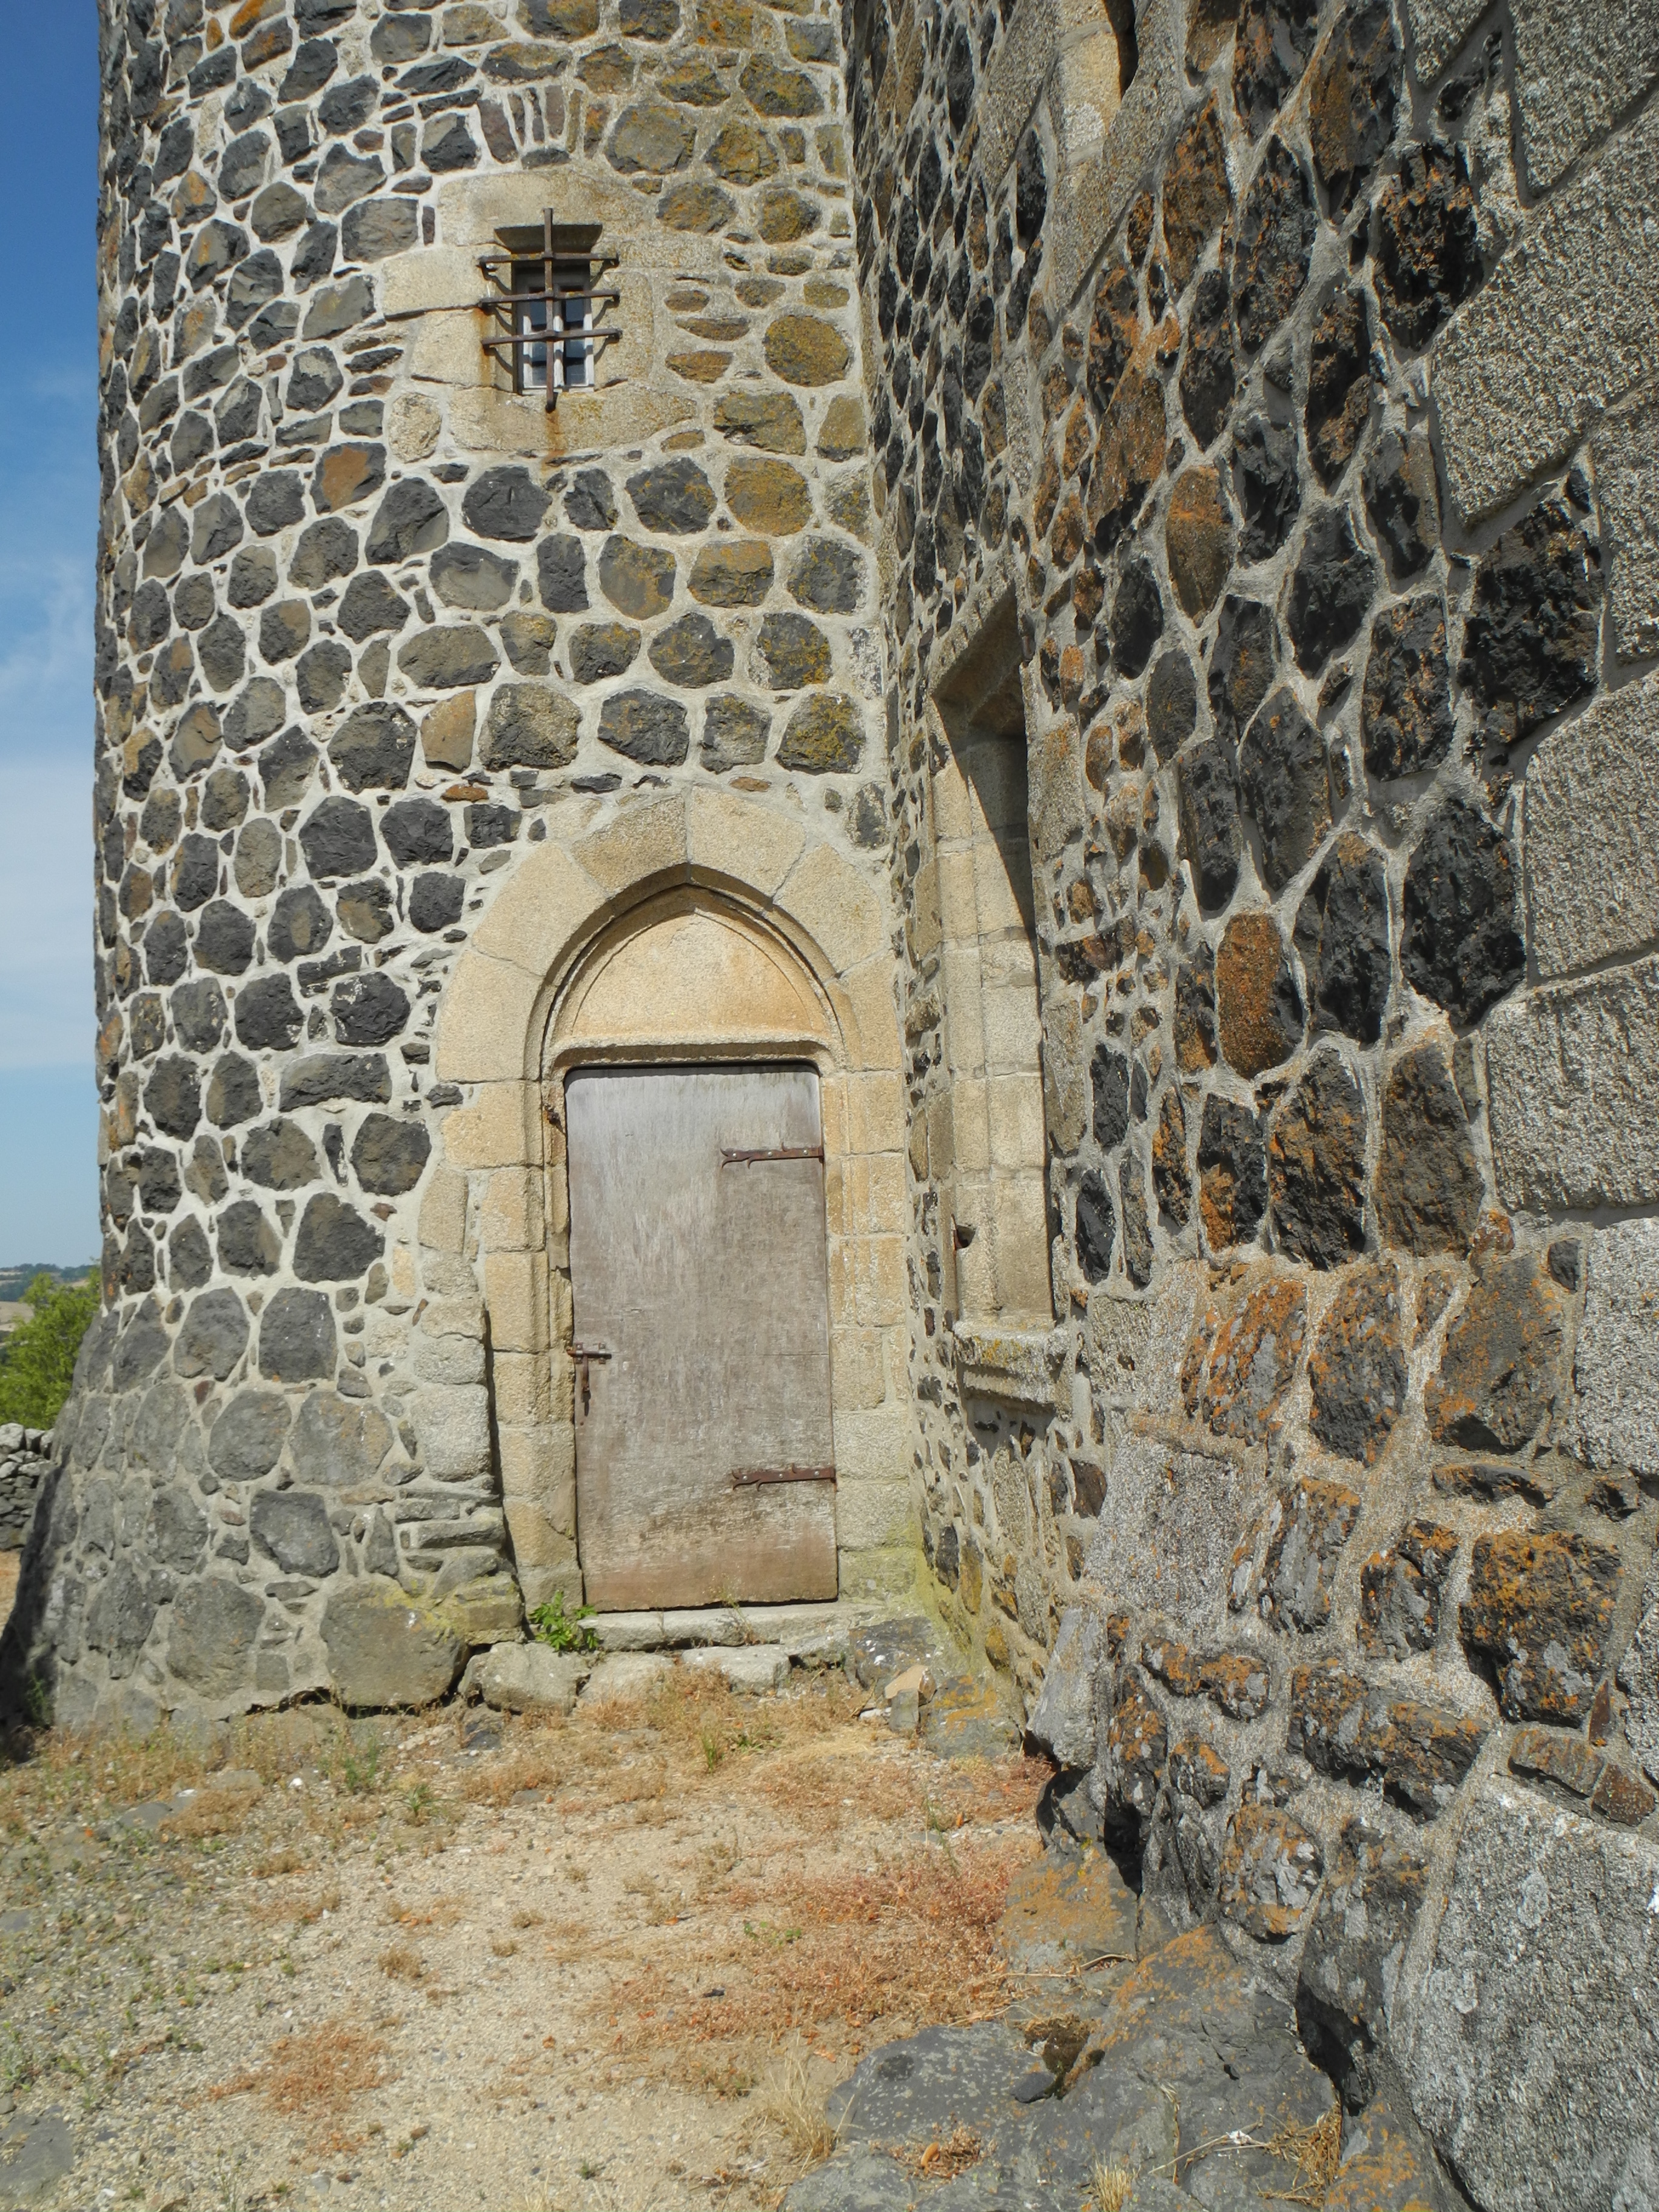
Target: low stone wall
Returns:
[[24, 1457]]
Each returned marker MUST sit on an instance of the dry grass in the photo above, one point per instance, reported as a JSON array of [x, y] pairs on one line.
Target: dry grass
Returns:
[[1111, 2187], [1316, 2154], [498, 1781], [795, 2105], [404, 1963]]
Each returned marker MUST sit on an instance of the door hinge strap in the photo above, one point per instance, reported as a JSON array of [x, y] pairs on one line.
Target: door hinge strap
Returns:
[[780, 1152], [744, 1477]]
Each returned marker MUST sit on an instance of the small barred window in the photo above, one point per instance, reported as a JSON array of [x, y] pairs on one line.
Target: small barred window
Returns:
[[549, 300]]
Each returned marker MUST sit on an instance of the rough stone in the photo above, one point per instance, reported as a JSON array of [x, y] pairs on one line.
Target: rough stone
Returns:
[[734, 574], [1419, 1753], [1197, 198], [645, 727], [1538, 1609], [1285, 788], [296, 1337], [1316, 1166], [1208, 371], [1406, 717], [1351, 1965], [1136, 619], [1199, 540], [1259, 1006], [1402, 500], [1212, 841], [1500, 1373], [1357, 1375], [389, 1156], [1352, 100], [338, 1441], [637, 580], [1331, 588], [1400, 1592], [1269, 484], [1339, 380], [734, 734], [1548, 1920], [770, 421], [1253, 1359], [1342, 935], [823, 736], [1232, 1173], [211, 1634], [1241, 663], [1270, 1873], [530, 726], [1276, 227], [1428, 254], [1429, 1186], [385, 1650], [1460, 945], [292, 1527], [1171, 704], [529, 1678], [1129, 456], [1593, 874], [1531, 640]]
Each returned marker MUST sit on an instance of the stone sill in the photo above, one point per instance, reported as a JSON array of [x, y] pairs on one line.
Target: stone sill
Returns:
[[694, 1627], [1022, 1365]]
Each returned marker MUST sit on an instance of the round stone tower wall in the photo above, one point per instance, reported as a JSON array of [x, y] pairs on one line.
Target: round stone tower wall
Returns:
[[389, 655]]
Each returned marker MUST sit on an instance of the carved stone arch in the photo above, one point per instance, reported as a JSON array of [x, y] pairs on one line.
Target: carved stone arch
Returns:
[[691, 925]]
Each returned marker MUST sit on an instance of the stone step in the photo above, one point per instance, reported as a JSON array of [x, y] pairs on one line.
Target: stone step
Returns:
[[800, 1629]]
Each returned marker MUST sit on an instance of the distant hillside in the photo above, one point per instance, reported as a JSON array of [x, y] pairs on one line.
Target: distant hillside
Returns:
[[15, 1281]]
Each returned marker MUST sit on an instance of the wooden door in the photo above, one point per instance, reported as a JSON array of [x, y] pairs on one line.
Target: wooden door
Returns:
[[697, 1262]]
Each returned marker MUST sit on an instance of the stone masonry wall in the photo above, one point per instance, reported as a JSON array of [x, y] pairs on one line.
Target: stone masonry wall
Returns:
[[1293, 366], [373, 631]]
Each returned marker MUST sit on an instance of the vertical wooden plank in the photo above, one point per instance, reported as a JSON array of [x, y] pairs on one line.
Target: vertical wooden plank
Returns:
[[707, 1284]]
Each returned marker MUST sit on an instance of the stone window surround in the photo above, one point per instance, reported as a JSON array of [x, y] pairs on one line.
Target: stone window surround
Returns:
[[504, 1030], [992, 1024]]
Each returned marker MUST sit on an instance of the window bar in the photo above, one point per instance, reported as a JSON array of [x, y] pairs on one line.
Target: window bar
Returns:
[[561, 346]]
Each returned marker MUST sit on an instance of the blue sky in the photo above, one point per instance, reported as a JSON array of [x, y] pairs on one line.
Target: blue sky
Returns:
[[48, 524]]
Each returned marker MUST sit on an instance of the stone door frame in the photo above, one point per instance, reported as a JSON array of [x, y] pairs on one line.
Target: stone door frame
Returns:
[[508, 1030]]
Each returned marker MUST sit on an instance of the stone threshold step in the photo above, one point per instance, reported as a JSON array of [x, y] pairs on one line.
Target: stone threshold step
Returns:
[[802, 1631]]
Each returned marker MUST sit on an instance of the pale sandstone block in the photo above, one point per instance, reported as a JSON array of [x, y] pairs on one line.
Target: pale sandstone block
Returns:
[[510, 1219], [1627, 485], [1576, 70], [646, 842], [869, 1515], [523, 1386], [451, 1427], [1569, 1072], [443, 1211], [495, 1128], [869, 990], [549, 904], [1568, 325], [835, 905], [1592, 860], [733, 837], [1616, 1369], [483, 1021], [515, 1290]]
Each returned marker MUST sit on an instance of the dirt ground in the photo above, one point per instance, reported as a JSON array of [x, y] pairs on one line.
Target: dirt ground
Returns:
[[611, 1961]]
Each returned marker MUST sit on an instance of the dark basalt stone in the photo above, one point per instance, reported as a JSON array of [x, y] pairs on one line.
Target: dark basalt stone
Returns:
[[198, 1014], [1209, 376], [370, 604], [1171, 704], [1316, 1166], [1270, 47], [1339, 384], [673, 496], [1429, 1189], [232, 1093], [337, 838], [1211, 842], [301, 925], [297, 1338], [1461, 945], [1232, 1171], [417, 830], [1241, 665], [645, 727], [279, 1155], [1269, 483], [1109, 1084], [1286, 786], [248, 1245], [589, 503], [334, 1244], [1334, 581], [368, 1010], [1406, 717], [504, 503], [1428, 242], [268, 1016], [1276, 230], [388, 1157], [1097, 1228], [1136, 619], [1402, 500], [1352, 98], [214, 1336], [411, 518], [436, 902], [561, 574], [471, 576], [1530, 641], [1342, 935]]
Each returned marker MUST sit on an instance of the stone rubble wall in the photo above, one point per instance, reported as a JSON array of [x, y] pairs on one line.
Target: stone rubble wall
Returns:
[[1294, 365], [24, 1457], [372, 631]]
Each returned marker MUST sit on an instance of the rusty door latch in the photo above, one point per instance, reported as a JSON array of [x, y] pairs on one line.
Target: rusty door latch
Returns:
[[745, 1478], [584, 1354], [779, 1152]]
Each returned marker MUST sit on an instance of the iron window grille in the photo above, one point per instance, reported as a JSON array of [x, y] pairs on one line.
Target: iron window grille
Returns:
[[546, 300]]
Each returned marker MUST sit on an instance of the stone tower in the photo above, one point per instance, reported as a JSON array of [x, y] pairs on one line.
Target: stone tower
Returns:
[[446, 738], [1096, 594]]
